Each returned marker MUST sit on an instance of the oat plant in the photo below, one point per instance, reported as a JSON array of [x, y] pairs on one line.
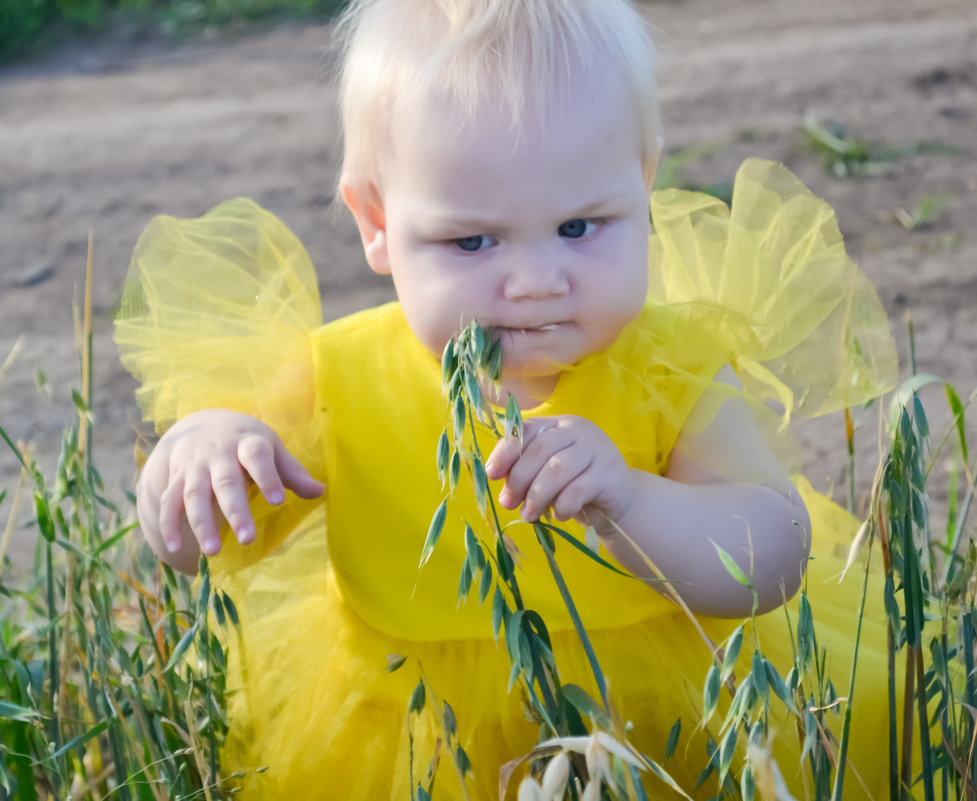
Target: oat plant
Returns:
[[928, 585], [929, 599], [572, 720], [928, 582], [112, 679], [927, 579]]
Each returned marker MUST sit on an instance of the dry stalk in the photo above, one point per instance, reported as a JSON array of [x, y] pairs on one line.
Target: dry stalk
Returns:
[[84, 342], [12, 356], [9, 528]]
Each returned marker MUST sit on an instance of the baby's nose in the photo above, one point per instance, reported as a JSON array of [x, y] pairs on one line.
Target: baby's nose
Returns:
[[536, 277]]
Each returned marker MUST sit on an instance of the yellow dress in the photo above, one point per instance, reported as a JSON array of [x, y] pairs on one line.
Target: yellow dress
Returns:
[[224, 312]]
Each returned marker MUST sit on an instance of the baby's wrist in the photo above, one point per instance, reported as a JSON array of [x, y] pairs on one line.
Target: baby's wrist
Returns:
[[610, 519]]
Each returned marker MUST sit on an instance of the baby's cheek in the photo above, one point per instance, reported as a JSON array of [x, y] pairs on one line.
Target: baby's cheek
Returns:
[[436, 313]]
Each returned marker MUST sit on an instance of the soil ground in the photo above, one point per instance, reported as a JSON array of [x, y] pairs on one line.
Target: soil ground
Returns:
[[106, 133]]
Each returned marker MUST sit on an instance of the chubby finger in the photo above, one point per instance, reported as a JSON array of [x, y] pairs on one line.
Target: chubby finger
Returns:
[[198, 503], [503, 457], [169, 514], [546, 443], [508, 450], [170, 528], [295, 476], [231, 495], [575, 496], [257, 456], [558, 472]]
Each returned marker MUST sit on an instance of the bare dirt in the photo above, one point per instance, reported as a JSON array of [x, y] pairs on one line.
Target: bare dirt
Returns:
[[105, 134]]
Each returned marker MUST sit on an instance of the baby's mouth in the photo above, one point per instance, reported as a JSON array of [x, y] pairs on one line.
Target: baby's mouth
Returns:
[[533, 330]]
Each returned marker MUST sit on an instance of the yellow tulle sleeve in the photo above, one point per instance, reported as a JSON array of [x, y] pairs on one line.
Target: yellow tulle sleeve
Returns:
[[775, 260], [217, 312]]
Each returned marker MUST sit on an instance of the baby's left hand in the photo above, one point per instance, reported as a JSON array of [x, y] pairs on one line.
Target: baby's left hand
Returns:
[[566, 463]]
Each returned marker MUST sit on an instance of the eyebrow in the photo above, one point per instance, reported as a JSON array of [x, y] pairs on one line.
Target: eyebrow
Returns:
[[611, 196], [592, 208]]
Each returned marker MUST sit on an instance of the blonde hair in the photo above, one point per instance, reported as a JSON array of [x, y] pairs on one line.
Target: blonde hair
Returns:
[[513, 52]]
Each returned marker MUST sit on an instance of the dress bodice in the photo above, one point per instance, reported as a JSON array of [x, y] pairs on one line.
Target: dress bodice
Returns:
[[379, 392]]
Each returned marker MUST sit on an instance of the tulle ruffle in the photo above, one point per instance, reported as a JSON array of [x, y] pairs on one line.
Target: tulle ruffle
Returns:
[[776, 260], [216, 313]]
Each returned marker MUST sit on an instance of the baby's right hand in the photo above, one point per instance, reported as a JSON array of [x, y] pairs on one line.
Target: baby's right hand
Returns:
[[197, 477]]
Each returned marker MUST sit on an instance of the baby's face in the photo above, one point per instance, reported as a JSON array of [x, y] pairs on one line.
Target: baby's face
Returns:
[[542, 236]]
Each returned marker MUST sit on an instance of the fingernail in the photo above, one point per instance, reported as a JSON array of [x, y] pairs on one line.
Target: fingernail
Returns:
[[504, 498], [211, 546], [527, 513], [276, 498], [172, 545], [244, 534]]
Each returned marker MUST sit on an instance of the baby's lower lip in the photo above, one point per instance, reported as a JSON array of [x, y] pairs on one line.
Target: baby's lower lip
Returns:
[[540, 329]]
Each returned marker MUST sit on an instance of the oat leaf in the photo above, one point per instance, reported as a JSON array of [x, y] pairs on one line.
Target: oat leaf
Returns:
[[464, 763], [777, 684], [481, 484], [458, 418], [586, 704], [433, 533], [747, 784], [732, 652], [449, 363], [710, 694], [590, 538], [231, 609], [417, 698], [810, 732], [454, 472], [395, 662], [485, 585], [805, 633], [444, 451], [760, 678], [732, 568], [672, 742], [953, 399], [450, 726], [464, 581], [513, 419], [181, 647], [726, 751], [498, 607]]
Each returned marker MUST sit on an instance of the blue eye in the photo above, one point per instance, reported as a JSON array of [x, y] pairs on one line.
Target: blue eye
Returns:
[[471, 243], [574, 229]]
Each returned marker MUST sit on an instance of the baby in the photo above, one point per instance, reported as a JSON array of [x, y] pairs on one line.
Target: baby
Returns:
[[499, 157], [512, 187]]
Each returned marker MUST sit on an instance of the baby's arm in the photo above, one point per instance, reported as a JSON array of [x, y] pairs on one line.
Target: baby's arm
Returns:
[[196, 479], [754, 514]]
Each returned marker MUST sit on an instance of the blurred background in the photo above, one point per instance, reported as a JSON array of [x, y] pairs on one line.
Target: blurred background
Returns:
[[112, 111]]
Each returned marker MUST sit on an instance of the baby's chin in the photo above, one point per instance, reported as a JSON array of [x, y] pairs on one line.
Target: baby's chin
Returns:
[[531, 385]]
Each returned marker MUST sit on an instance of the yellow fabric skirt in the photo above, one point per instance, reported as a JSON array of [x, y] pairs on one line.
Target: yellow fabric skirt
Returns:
[[315, 705]]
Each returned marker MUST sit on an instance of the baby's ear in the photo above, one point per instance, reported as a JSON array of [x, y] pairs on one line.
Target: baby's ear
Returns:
[[366, 205], [650, 165]]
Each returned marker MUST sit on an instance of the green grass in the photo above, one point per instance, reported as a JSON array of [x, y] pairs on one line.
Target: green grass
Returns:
[[29, 25], [922, 214], [844, 155], [112, 679]]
